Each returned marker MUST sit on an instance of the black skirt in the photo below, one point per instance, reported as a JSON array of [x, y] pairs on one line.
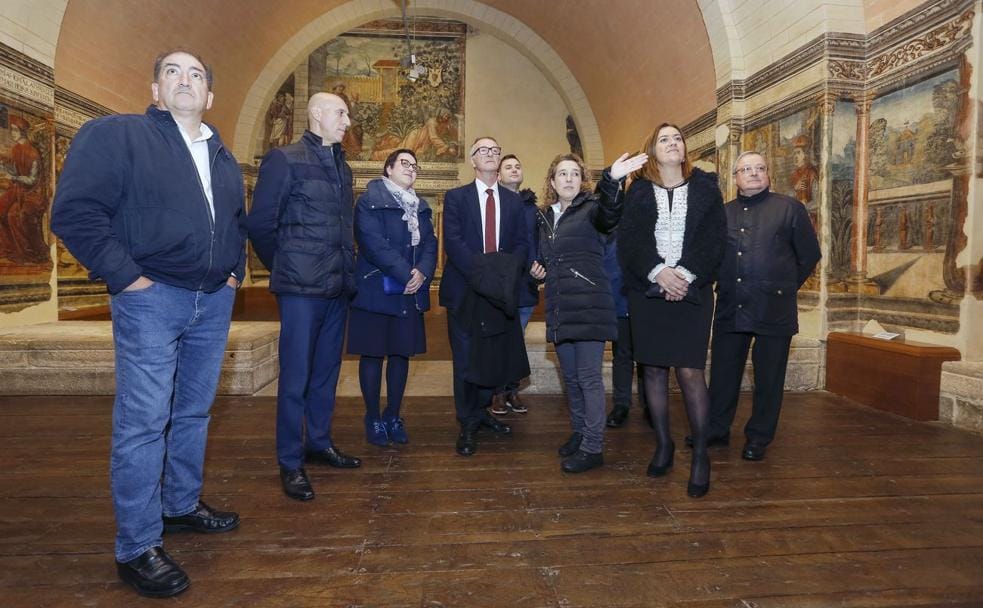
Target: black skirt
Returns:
[[378, 335], [670, 334]]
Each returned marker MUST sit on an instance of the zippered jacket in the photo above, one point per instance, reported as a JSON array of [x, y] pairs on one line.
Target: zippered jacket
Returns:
[[301, 219], [385, 249], [129, 203], [578, 300]]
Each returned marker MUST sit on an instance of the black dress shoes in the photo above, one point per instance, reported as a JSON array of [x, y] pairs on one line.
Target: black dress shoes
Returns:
[[753, 451], [581, 461], [617, 417], [154, 574], [571, 446], [466, 444], [332, 457], [720, 441], [296, 485], [203, 519], [496, 426]]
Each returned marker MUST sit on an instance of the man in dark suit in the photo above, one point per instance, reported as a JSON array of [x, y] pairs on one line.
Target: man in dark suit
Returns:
[[478, 219]]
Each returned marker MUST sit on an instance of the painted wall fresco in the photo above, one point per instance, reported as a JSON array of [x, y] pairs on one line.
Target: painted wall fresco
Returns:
[[842, 169], [388, 110], [25, 198], [914, 159], [279, 126]]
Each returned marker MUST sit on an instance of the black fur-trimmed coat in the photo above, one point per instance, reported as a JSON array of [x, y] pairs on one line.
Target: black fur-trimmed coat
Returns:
[[703, 242]]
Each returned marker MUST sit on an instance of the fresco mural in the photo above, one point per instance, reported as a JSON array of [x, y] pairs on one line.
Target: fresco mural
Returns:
[[388, 109], [279, 126], [25, 197], [916, 166], [842, 168]]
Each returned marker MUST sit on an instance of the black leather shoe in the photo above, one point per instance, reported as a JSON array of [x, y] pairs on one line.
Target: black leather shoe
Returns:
[[296, 485], [331, 456], [496, 426], [656, 469], [203, 519], [154, 574], [617, 417], [466, 444], [582, 461], [753, 451], [571, 446], [720, 441]]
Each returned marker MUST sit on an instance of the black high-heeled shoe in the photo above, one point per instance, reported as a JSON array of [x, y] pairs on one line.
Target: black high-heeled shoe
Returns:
[[694, 490], [659, 470]]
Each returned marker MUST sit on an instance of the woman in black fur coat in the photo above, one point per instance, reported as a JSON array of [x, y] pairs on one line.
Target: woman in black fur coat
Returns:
[[670, 245]]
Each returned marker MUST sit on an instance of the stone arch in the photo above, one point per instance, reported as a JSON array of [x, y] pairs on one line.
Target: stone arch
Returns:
[[248, 128]]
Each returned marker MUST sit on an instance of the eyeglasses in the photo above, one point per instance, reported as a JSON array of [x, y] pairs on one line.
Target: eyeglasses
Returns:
[[415, 168], [749, 170], [487, 151]]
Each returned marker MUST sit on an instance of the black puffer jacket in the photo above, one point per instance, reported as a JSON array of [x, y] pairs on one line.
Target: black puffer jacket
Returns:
[[301, 220], [579, 304], [703, 243]]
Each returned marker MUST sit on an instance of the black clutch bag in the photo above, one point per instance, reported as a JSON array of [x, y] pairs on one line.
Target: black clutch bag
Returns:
[[692, 293], [392, 287]]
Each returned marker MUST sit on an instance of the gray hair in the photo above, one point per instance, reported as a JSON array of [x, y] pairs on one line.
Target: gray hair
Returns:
[[733, 169]]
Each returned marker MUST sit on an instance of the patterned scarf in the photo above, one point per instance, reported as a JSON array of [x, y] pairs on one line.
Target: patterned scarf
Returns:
[[410, 204]]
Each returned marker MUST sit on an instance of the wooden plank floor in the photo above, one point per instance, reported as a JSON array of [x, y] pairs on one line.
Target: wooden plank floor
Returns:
[[852, 507]]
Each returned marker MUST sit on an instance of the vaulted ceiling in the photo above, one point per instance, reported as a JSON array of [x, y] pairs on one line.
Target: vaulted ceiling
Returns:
[[638, 62]]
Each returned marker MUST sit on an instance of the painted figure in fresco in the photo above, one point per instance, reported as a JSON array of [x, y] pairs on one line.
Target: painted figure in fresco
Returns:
[[168, 236], [301, 228], [22, 201], [435, 139], [486, 242], [352, 143], [756, 301], [805, 178], [276, 122]]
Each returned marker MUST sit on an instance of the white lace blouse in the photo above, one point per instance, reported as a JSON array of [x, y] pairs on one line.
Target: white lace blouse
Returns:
[[670, 228]]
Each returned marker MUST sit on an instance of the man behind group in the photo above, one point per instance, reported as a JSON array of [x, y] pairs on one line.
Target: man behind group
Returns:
[[478, 218], [301, 227], [507, 398], [771, 250], [153, 205]]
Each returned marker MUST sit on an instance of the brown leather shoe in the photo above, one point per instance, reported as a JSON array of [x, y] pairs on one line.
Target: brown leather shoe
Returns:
[[515, 403], [498, 406]]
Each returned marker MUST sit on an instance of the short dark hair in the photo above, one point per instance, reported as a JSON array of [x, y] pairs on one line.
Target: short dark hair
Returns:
[[391, 159], [159, 64], [508, 157]]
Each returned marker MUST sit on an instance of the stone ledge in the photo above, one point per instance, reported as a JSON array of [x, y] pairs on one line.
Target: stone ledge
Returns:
[[76, 358], [961, 395]]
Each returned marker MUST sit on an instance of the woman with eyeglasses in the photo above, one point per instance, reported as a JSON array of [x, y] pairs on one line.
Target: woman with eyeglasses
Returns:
[[580, 313], [670, 246], [396, 258]]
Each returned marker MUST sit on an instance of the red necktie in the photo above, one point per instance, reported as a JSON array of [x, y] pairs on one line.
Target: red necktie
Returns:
[[490, 240]]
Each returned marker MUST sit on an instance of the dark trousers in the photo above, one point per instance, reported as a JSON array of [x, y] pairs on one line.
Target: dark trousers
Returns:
[[623, 367], [311, 333], [769, 357], [469, 399]]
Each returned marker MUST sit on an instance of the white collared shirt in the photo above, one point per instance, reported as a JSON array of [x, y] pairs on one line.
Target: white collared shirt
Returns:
[[482, 197], [199, 152]]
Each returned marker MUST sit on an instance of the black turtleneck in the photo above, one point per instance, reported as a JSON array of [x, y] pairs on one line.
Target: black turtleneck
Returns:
[[754, 198]]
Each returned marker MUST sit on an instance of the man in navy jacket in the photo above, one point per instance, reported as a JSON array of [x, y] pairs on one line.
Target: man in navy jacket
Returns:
[[301, 227], [478, 218], [153, 205]]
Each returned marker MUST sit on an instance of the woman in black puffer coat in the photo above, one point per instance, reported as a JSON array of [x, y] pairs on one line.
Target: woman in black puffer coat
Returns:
[[580, 314]]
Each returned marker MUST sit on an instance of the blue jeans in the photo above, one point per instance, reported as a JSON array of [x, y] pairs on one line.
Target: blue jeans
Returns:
[[580, 363], [312, 330], [169, 345]]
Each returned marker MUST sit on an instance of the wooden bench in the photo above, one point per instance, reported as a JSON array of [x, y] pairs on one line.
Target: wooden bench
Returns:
[[899, 376]]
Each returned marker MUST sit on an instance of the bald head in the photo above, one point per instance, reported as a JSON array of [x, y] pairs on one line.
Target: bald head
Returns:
[[327, 115]]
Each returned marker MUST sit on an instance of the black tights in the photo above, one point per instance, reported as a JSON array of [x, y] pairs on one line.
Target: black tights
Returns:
[[370, 380], [697, 399]]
